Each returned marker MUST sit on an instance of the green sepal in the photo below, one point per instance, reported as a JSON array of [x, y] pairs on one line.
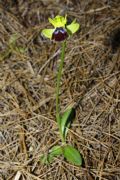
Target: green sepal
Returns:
[[58, 21], [73, 27], [47, 33], [72, 155]]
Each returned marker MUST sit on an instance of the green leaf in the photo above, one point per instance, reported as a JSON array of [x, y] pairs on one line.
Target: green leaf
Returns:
[[21, 50], [13, 39], [43, 159], [72, 155], [54, 152], [48, 33], [66, 120], [5, 54]]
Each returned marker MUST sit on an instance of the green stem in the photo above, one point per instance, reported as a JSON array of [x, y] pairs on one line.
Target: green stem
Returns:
[[58, 84]]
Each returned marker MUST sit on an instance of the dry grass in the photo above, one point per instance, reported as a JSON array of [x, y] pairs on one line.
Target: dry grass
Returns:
[[91, 80]]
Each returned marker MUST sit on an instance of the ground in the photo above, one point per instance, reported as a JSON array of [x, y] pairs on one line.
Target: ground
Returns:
[[90, 81]]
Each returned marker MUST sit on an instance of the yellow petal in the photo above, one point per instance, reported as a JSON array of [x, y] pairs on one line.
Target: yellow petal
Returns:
[[73, 27]]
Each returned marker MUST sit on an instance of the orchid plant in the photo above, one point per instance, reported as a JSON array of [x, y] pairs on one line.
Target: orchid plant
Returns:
[[60, 33]]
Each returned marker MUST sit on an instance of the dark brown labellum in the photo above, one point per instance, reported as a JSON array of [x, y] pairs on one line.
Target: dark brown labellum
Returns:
[[60, 34]]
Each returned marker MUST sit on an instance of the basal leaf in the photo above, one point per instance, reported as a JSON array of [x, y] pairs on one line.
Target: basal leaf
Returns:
[[72, 155], [66, 121], [54, 152], [43, 159]]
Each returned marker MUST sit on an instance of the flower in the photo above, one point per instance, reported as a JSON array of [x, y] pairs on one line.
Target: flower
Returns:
[[61, 30]]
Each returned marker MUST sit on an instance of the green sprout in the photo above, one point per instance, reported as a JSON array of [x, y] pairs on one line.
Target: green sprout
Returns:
[[60, 33], [12, 47]]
